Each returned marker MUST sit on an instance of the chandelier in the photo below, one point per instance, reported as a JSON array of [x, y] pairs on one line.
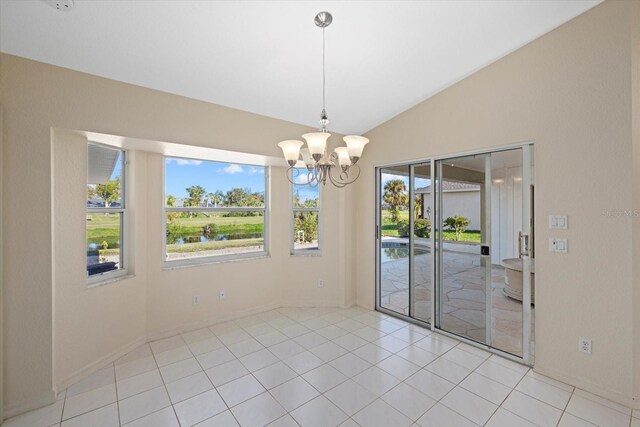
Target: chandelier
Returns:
[[339, 166]]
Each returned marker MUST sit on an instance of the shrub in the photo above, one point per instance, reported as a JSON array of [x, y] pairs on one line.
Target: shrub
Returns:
[[210, 230], [458, 224], [422, 227], [403, 228], [307, 222]]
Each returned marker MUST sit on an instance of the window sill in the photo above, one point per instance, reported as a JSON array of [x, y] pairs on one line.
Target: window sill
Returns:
[[109, 280], [196, 262], [307, 253]]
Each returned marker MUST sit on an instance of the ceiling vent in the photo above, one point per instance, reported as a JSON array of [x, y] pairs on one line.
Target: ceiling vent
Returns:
[[63, 5]]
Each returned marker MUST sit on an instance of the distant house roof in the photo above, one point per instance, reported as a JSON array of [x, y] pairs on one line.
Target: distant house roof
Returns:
[[449, 186]]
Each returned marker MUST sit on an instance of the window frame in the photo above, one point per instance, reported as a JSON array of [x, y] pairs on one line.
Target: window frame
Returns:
[[213, 259], [102, 278], [314, 252]]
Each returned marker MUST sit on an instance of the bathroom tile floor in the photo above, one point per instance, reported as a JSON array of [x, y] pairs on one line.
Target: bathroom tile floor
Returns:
[[320, 367]]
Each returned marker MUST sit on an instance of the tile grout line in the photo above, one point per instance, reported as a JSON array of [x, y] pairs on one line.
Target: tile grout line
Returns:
[[334, 315], [166, 390]]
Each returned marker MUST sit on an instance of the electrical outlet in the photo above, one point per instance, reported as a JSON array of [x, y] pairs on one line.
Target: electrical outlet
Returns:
[[584, 345], [222, 294], [320, 283], [195, 300]]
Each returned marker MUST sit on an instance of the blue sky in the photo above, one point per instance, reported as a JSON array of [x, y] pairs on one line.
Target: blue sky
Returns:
[[420, 182], [305, 192], [213, 176]]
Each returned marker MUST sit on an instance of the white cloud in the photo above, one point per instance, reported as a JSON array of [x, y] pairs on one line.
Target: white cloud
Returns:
[[232, 168], [184, 162], [254, 170], [301, 178]]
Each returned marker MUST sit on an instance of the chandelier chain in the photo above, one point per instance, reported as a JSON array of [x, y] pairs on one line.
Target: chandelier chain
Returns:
[[324, 90]]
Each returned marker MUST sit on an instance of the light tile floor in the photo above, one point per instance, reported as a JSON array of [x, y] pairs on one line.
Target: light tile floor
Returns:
[[320, 367], [463, 297]]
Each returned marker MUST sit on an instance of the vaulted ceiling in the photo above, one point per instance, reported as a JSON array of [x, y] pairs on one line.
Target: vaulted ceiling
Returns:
[[265, 56]]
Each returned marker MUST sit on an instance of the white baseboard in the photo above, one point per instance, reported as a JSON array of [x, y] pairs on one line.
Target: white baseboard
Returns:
[[26, 406], [98, 364], [367, 306], [309, 304], [590, 387]]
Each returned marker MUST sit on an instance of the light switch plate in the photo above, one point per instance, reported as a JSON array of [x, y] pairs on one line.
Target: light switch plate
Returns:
[[558, 222], [558, 245]]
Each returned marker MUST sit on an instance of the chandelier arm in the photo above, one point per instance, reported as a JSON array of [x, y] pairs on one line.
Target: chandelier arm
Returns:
[[292, 173], [348, 180], [312, 178], [336, 181]]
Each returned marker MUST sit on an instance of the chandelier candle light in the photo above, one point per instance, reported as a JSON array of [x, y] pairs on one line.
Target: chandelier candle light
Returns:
[[321, 165]]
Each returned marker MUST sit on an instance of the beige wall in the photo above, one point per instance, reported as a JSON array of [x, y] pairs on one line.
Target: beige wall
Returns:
[[635, 19], [92, 325], [570, 92], [56, 329]]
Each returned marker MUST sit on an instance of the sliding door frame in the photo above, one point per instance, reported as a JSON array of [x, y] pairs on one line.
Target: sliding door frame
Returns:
[[436, 243]]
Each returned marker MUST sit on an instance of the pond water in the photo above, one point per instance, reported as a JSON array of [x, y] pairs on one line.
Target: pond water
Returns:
[[182, 240]]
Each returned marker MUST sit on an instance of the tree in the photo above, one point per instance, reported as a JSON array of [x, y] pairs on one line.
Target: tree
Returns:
[[395, 195], [237, 196], [109, 192], [417, 207], [196, 193], [458, 224], [170, 201], [216, 198]]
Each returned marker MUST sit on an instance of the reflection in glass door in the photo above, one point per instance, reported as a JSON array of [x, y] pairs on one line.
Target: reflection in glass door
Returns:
[[392, 238], [453, 251], [464, 239], [421, 300], [482, 205]]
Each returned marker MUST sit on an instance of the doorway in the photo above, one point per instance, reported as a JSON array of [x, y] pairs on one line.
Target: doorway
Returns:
[[454, 247]]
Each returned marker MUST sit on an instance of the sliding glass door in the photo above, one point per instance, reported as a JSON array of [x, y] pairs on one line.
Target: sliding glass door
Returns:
[[453, 246]]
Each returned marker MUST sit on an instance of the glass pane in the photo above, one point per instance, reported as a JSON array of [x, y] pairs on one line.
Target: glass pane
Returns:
[[394, 244], [104, 234], [464, 272], [305, 231], [506, 228], [197, 234], [200, 183], [422, 264], [305, 196], [104, 176]]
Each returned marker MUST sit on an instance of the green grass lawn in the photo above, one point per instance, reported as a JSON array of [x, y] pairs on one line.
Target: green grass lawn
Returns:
[[106, 228], [225, 225], [390, 229], [103, 228]]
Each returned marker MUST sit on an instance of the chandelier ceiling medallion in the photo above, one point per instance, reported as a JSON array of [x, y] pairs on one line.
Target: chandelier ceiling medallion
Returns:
[[339, 166]]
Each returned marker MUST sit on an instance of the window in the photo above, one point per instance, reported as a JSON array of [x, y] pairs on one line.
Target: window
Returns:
[[105, 211], [306, 216], [213, 211]]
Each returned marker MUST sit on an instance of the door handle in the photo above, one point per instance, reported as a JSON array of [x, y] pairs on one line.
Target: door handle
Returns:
[[524, 245]]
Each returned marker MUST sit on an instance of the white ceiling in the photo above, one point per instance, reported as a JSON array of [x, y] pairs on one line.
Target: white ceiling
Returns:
[[265, 57]]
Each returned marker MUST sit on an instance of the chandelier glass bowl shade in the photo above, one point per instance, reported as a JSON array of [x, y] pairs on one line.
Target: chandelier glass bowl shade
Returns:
[[339, 167]]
